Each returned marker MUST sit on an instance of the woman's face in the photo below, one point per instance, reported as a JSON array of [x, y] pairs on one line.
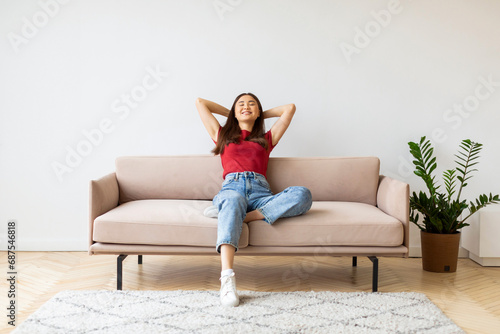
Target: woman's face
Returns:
[[246, 109]]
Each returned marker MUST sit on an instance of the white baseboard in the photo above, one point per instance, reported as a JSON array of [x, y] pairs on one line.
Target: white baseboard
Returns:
[[485, 261]]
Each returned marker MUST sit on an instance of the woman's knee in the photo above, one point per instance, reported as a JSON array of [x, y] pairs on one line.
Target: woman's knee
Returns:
[[303, 196], [230, 198], [301, 192]]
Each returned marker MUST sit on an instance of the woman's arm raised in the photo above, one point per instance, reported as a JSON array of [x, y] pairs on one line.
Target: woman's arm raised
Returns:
[[206, 109], [285, 114]]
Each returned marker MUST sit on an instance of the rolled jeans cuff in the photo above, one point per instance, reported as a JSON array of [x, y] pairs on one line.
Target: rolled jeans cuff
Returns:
[[217, 247], [267, 219]]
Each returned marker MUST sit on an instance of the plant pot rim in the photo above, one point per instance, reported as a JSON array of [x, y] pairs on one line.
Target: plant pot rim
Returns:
[[457, 232]]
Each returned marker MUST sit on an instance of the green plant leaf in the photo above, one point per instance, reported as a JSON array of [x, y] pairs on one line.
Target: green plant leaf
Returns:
[[469, 153], [424, 162]]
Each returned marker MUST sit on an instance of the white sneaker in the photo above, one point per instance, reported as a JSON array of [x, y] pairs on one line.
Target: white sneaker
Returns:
[[211, 212], [228, 294]]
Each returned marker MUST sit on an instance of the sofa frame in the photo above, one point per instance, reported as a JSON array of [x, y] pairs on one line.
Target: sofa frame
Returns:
[[392, 197]]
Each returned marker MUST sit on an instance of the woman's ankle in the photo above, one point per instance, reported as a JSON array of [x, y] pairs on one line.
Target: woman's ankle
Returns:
[[226, 272]]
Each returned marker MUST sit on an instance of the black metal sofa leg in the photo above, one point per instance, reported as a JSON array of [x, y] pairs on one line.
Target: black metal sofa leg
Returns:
[[375, 270], [375, 273], [119, 270]]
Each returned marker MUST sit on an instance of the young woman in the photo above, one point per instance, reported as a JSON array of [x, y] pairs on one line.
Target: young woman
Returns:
[[244, 147]]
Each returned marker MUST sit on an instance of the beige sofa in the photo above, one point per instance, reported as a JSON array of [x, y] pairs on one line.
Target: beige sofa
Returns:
[[153, 205]]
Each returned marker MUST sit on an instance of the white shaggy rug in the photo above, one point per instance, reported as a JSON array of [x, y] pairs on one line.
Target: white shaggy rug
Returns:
[[259, 312]]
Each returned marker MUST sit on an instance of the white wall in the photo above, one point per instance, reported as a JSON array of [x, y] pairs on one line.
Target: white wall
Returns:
[[67, 68]]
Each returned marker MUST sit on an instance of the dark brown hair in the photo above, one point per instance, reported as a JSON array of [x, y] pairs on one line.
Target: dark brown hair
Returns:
[[231, 132]]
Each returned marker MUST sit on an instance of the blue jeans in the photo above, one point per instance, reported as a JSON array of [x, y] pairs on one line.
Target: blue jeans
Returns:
[[248, 191]]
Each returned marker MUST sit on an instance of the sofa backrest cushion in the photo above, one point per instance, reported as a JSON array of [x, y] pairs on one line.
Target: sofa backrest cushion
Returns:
[[168, 177], [349, 179]]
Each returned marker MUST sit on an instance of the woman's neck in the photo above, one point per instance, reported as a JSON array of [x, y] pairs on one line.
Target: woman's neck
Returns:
[[246, 126]]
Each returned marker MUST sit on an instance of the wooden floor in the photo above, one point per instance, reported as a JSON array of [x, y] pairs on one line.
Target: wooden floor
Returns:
[[470, 297]]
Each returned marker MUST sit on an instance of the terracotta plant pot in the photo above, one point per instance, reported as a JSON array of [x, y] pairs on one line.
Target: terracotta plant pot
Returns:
[[440, 251]]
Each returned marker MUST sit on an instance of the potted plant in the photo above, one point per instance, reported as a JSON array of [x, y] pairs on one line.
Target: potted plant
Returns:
[[441, 211]]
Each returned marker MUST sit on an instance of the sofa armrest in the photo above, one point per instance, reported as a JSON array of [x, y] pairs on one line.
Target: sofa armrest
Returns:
[[393, 197], [104, 196]]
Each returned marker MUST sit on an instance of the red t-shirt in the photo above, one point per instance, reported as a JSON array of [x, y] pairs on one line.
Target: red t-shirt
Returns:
[[246, 156]]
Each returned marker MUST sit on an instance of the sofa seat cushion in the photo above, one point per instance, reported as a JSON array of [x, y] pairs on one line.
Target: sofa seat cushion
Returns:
[[331, 224], [160, 222]]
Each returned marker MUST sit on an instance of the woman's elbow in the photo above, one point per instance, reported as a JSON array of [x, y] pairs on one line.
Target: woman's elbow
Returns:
[[199, 101]]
